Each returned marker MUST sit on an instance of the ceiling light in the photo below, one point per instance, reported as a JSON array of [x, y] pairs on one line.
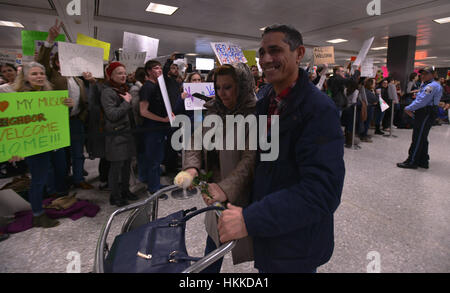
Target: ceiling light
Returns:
[[161, 9], [434, 57], [442, 20], [263, 28], [9, 23], [379, 48], [191, 54], [337, 41]]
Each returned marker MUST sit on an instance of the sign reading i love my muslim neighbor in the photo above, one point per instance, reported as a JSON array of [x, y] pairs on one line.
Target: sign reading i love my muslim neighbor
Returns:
[[32, 123]]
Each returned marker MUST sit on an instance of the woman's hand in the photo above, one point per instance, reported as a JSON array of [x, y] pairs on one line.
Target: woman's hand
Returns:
[[217, 194], [184, 95], [127, 97], [69, 102]]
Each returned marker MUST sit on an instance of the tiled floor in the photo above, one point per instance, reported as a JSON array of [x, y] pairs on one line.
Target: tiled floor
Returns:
[[403, 215]]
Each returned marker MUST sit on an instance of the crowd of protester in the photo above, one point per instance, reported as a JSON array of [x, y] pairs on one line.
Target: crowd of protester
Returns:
[[122, 120]]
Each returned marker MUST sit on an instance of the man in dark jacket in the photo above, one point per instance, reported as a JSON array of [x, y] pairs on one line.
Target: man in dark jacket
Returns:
[[295, 196]]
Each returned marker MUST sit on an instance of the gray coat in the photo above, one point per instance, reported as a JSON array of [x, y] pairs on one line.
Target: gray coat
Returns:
[[119, 147]]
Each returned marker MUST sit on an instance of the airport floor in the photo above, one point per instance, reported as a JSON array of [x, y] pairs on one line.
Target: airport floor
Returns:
[[400, 217]]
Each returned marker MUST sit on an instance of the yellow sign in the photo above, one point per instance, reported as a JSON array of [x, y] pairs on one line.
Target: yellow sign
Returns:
[[88, 41], [251, 57]]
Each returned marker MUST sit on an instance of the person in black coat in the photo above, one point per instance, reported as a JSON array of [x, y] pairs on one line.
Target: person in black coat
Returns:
[[294, 196]]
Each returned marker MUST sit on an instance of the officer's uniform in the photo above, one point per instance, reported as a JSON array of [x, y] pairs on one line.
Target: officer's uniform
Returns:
[[425, 108]]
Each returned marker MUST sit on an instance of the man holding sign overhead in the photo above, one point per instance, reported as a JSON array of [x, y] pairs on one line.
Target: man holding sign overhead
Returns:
[[78, 110]]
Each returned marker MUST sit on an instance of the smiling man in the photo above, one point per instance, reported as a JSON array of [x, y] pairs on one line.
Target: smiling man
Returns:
[[294, 197]]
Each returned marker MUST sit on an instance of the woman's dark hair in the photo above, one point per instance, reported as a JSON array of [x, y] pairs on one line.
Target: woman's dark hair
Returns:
[[225, 70], [292, 36], [352, 86], [140, 75], [210, 77], [369, 83], [412, 76], [9, 65]]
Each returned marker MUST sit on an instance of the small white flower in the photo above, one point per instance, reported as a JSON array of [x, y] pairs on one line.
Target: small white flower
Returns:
[[183, 179]]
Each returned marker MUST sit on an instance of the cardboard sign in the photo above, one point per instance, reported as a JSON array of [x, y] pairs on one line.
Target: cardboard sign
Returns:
[[363, 52], [32, 123], [29, 38], [139, 43], [165, 94], [88, 41], [228, 53], [133, 60], [193, 103], [323, 55], [76, 59]]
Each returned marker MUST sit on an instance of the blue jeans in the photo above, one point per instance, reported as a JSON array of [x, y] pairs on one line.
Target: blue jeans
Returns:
[[370, 109], [154, 155], [378, 116], [215, 267], [47, 169], [76, 149]]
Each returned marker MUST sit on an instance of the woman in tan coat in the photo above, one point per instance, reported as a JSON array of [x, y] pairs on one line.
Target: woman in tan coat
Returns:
[[232, 169]]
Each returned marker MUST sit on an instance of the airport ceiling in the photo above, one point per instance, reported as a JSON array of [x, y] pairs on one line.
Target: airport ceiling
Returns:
[[198, 22]]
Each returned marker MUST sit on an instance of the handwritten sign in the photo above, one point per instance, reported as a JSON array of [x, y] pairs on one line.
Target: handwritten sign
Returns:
[[193, 103], [367, 68], [29, 38], [228, 53], [76, 59], [323, 55], [133, 60], [139, 43], [32, 123], [88, 41], [11, 56]]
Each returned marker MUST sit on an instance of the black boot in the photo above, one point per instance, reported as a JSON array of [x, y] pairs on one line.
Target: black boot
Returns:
[[118, 200], [377, 130], [128, 195], [348, 139]]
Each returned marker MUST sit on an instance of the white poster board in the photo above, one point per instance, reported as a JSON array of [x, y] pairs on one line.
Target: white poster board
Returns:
[[11, 56], [193, 103], [363, 52], [228, 53], [139, 43], [367, 68], [165, 94], [133, 60], [76, 59]]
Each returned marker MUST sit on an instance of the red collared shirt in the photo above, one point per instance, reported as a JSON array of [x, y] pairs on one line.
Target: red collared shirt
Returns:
[[275, 100]]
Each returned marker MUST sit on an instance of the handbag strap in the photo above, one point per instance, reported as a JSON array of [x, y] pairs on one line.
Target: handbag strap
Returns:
[[210, 208]]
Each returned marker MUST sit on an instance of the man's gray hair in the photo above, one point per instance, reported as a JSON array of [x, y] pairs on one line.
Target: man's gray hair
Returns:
[[292, 36]]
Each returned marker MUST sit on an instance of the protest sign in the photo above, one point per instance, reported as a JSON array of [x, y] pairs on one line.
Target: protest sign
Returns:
[[88, 41], [139, 43], [193, 103], [367, 68], [11, 56], [228, 53], [76, 59], [133, 60], [251, 57], [323, 55], [29, 38], [363, 52], [165, 94], [32, 123]]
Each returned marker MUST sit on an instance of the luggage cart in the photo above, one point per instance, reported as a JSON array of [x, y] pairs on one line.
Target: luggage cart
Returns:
[[143, 213]]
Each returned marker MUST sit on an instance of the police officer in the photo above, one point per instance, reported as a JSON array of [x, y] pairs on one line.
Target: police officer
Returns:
[[424, 111]]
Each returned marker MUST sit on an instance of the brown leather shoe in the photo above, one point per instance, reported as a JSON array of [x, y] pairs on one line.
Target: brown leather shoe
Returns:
[[84, 185]]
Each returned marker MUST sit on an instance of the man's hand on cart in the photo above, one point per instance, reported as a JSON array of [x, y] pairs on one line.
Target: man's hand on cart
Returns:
[[231, 224], [216, 194]]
